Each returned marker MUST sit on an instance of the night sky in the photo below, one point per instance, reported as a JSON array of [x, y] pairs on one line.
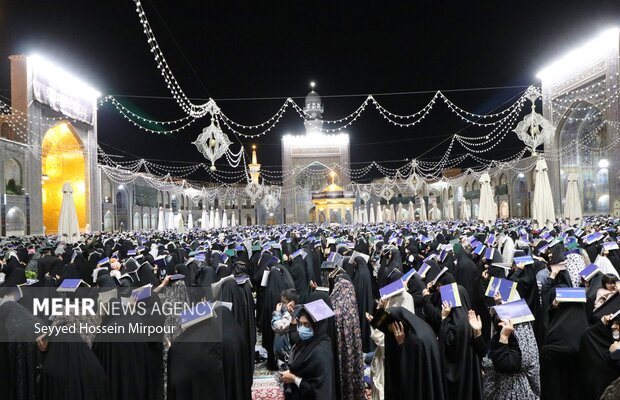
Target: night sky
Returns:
[[231, 50]]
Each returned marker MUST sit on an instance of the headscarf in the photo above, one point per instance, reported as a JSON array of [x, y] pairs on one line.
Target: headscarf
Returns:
[[574, 265]]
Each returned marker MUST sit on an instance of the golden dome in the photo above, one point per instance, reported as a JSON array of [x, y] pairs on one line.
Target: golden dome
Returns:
[[332, 188]]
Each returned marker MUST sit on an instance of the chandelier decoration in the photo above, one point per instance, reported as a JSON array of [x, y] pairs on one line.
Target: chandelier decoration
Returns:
[[212, 142], [364, 193], [254, 190], [414, 183], [534, 129]]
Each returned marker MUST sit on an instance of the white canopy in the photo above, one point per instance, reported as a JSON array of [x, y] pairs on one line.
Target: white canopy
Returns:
[[423, 216], [379, 214], [170, 220], [190, 221], [572, 204], [371, 218], [401, 213], [180, 223], [542, 206], [488, 209], [464, 213], [233, 219], [364, 215], [204, 224], [411, 216], [449, 209], [224, 219], [68, 226], [392, 213], [387, 214], [211, 218], [160, 220], [434, 213], [217, 223]]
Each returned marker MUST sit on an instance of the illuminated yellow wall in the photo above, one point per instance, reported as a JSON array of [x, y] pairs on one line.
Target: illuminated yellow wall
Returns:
[[62, 160]]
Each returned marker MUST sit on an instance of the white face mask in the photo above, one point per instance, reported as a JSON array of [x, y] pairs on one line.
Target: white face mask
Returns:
[[616, 335]]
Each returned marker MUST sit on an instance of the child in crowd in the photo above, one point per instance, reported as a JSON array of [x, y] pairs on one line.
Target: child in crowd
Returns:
[[281, 321]]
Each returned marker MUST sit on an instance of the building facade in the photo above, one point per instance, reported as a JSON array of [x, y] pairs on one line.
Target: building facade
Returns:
[[580, 98], [48, 136], [305, 159]]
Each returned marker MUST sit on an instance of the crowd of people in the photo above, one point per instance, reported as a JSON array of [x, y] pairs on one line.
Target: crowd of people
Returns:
[[341, 311]]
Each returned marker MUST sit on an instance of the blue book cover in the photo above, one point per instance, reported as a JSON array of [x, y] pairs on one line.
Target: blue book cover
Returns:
[[242, 279], [506, 289], [480, 249], [516, 311], [198, 313], [450, 293], [490, 240], [523, 260], [588, 272], [299, 252], [366, 257], [610, 246], [405, 278], [160, 261], [141, 293], [570, 295], [70, 285], [423, 270], [488, 254], [392, 289], [430, 257], [593, 237]]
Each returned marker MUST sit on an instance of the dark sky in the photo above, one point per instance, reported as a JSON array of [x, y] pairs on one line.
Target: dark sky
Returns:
[[232, 49]]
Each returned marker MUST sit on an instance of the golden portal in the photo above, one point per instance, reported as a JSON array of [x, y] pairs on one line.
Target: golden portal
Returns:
[[62, 160]]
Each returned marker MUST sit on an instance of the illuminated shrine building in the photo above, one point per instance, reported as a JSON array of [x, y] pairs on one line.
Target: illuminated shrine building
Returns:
[[48, 138], [580, 94], [305, 159], [333, 204]]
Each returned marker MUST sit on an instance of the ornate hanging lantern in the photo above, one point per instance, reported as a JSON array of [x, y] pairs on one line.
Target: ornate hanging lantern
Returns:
[[212, 143], [534, 129], [254, 190]]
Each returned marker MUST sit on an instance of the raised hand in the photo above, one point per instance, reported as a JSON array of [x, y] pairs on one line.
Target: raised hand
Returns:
[[445, 309], [475, 322]]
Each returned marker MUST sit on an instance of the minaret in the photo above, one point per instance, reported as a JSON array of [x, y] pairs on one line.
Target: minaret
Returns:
[[255, 166], [313, 109]]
